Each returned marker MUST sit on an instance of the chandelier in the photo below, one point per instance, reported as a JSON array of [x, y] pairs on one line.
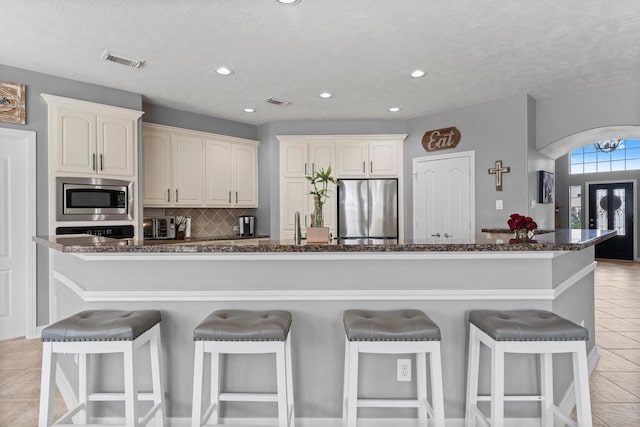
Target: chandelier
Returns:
[[607, 146]]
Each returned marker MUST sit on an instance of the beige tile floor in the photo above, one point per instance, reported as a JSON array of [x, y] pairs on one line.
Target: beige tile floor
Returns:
[[615, 383]]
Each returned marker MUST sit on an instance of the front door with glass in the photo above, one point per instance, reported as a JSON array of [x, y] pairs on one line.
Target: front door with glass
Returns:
[[611, 208]]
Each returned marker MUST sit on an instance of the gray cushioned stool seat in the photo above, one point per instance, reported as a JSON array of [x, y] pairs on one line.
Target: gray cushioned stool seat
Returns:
[[527, 325], [244, 325], [389, 325], [102, 325]]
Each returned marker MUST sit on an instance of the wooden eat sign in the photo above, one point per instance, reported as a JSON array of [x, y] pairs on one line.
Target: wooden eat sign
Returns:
[[498, 171]]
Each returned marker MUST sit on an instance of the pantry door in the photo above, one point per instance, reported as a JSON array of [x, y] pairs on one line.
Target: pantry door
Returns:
[[443, 197], [17, 228]]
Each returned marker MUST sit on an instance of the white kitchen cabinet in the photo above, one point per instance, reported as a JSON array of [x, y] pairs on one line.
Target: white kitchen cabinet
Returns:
[[369, 157], [156, 153], [185, 168], [231, 174], [90, 139], [300, 157], [188, 176]]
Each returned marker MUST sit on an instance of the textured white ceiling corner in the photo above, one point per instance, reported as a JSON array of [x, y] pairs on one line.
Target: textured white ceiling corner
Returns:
[[360, 50]]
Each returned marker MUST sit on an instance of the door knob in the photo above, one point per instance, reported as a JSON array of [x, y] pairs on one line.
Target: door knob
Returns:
[[435, 235], [448, 235]]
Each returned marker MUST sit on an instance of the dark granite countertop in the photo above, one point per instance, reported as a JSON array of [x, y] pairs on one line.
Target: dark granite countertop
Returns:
[[559, 240]]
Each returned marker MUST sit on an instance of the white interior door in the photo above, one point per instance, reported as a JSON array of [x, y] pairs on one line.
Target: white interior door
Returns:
[[17, 227], [444, 202]]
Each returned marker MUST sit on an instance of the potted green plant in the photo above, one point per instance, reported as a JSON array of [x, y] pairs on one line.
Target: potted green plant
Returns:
[[320, 191]]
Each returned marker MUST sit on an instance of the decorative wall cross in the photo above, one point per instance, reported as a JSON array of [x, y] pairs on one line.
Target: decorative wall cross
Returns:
[[498, 171]]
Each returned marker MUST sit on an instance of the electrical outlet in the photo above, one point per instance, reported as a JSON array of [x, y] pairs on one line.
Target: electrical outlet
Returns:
[[404, 369]]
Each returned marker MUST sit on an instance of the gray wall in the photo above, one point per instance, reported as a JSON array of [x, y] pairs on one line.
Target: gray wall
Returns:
[[186, 120], [497, 130], [575, 112], [36, 120]]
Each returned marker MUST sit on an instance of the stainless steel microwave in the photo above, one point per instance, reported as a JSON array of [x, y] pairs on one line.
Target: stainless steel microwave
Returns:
[[93, 199]]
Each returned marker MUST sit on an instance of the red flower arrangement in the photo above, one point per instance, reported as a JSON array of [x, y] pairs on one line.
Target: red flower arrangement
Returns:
[[521, 222]]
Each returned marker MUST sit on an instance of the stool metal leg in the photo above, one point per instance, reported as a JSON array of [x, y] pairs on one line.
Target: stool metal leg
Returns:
[[155, 353], [352, 399], [290, 402], [83, 392], [198, 369], [345, 393], [421, 385], [437, 390], [281, 378], [130, 390], [473, 366], [497, 385], [546, 387], [581, 383], [214, 398], [47, 385]]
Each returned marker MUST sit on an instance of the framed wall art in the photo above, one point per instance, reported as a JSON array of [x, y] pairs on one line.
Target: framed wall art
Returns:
[[12, 100], [546, 187]]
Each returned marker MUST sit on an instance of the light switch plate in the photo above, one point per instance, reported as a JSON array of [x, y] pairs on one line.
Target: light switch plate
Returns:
[[499, 205]]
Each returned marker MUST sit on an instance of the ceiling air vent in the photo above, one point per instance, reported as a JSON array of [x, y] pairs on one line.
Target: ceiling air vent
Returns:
[[276, 101], [107, 56]]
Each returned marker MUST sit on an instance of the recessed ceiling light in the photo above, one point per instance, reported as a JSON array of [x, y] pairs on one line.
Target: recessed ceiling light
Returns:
[[416, 74], [249, 110], [288, 1], [326, 95], [394, 109], [224, 71]]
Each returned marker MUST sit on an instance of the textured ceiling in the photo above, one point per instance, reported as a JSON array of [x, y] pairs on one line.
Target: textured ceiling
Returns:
[[360, 50]]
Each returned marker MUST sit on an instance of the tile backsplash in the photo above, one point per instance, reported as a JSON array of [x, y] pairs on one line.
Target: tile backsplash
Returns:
[[207, 222]]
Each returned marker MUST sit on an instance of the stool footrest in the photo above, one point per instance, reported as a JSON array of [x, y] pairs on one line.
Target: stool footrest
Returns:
[[390, 403], [117, 397], [248, 397], [70, 413], [513, 398]]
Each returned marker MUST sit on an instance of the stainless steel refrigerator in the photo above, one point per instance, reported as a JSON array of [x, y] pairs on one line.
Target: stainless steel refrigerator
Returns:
[[368, 209]]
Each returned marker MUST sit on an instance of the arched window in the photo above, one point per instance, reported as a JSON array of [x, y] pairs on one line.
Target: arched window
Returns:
[[593, 159]]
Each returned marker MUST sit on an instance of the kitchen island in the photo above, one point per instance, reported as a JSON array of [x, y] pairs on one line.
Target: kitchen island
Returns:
[[317, 283]]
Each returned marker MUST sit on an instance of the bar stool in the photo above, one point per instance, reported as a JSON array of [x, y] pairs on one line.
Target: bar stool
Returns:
[[99, 332], [393, 332], [243, 332], [526, 331]]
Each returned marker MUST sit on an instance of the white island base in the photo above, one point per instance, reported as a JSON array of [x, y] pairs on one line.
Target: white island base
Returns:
[[317, 287]]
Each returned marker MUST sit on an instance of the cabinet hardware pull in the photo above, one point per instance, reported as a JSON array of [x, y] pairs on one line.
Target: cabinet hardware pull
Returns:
[[101, 162], [448, 235], [176, 195], [371, 167], [168, 194], [229, 196], [305, 168], [236, 197], [93, 162], [313, 168], [364, 166], [435, 235]]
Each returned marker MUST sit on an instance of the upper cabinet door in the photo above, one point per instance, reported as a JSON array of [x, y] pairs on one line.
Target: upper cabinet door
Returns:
[[187, 170], [322, 155], [116, 145], [294, 159], [217, 171], [383, 158], [352, 158], [76, 141], [245, 175], [156, 152]]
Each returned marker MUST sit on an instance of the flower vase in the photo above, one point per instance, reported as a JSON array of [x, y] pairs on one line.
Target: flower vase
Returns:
[[522, 235]]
